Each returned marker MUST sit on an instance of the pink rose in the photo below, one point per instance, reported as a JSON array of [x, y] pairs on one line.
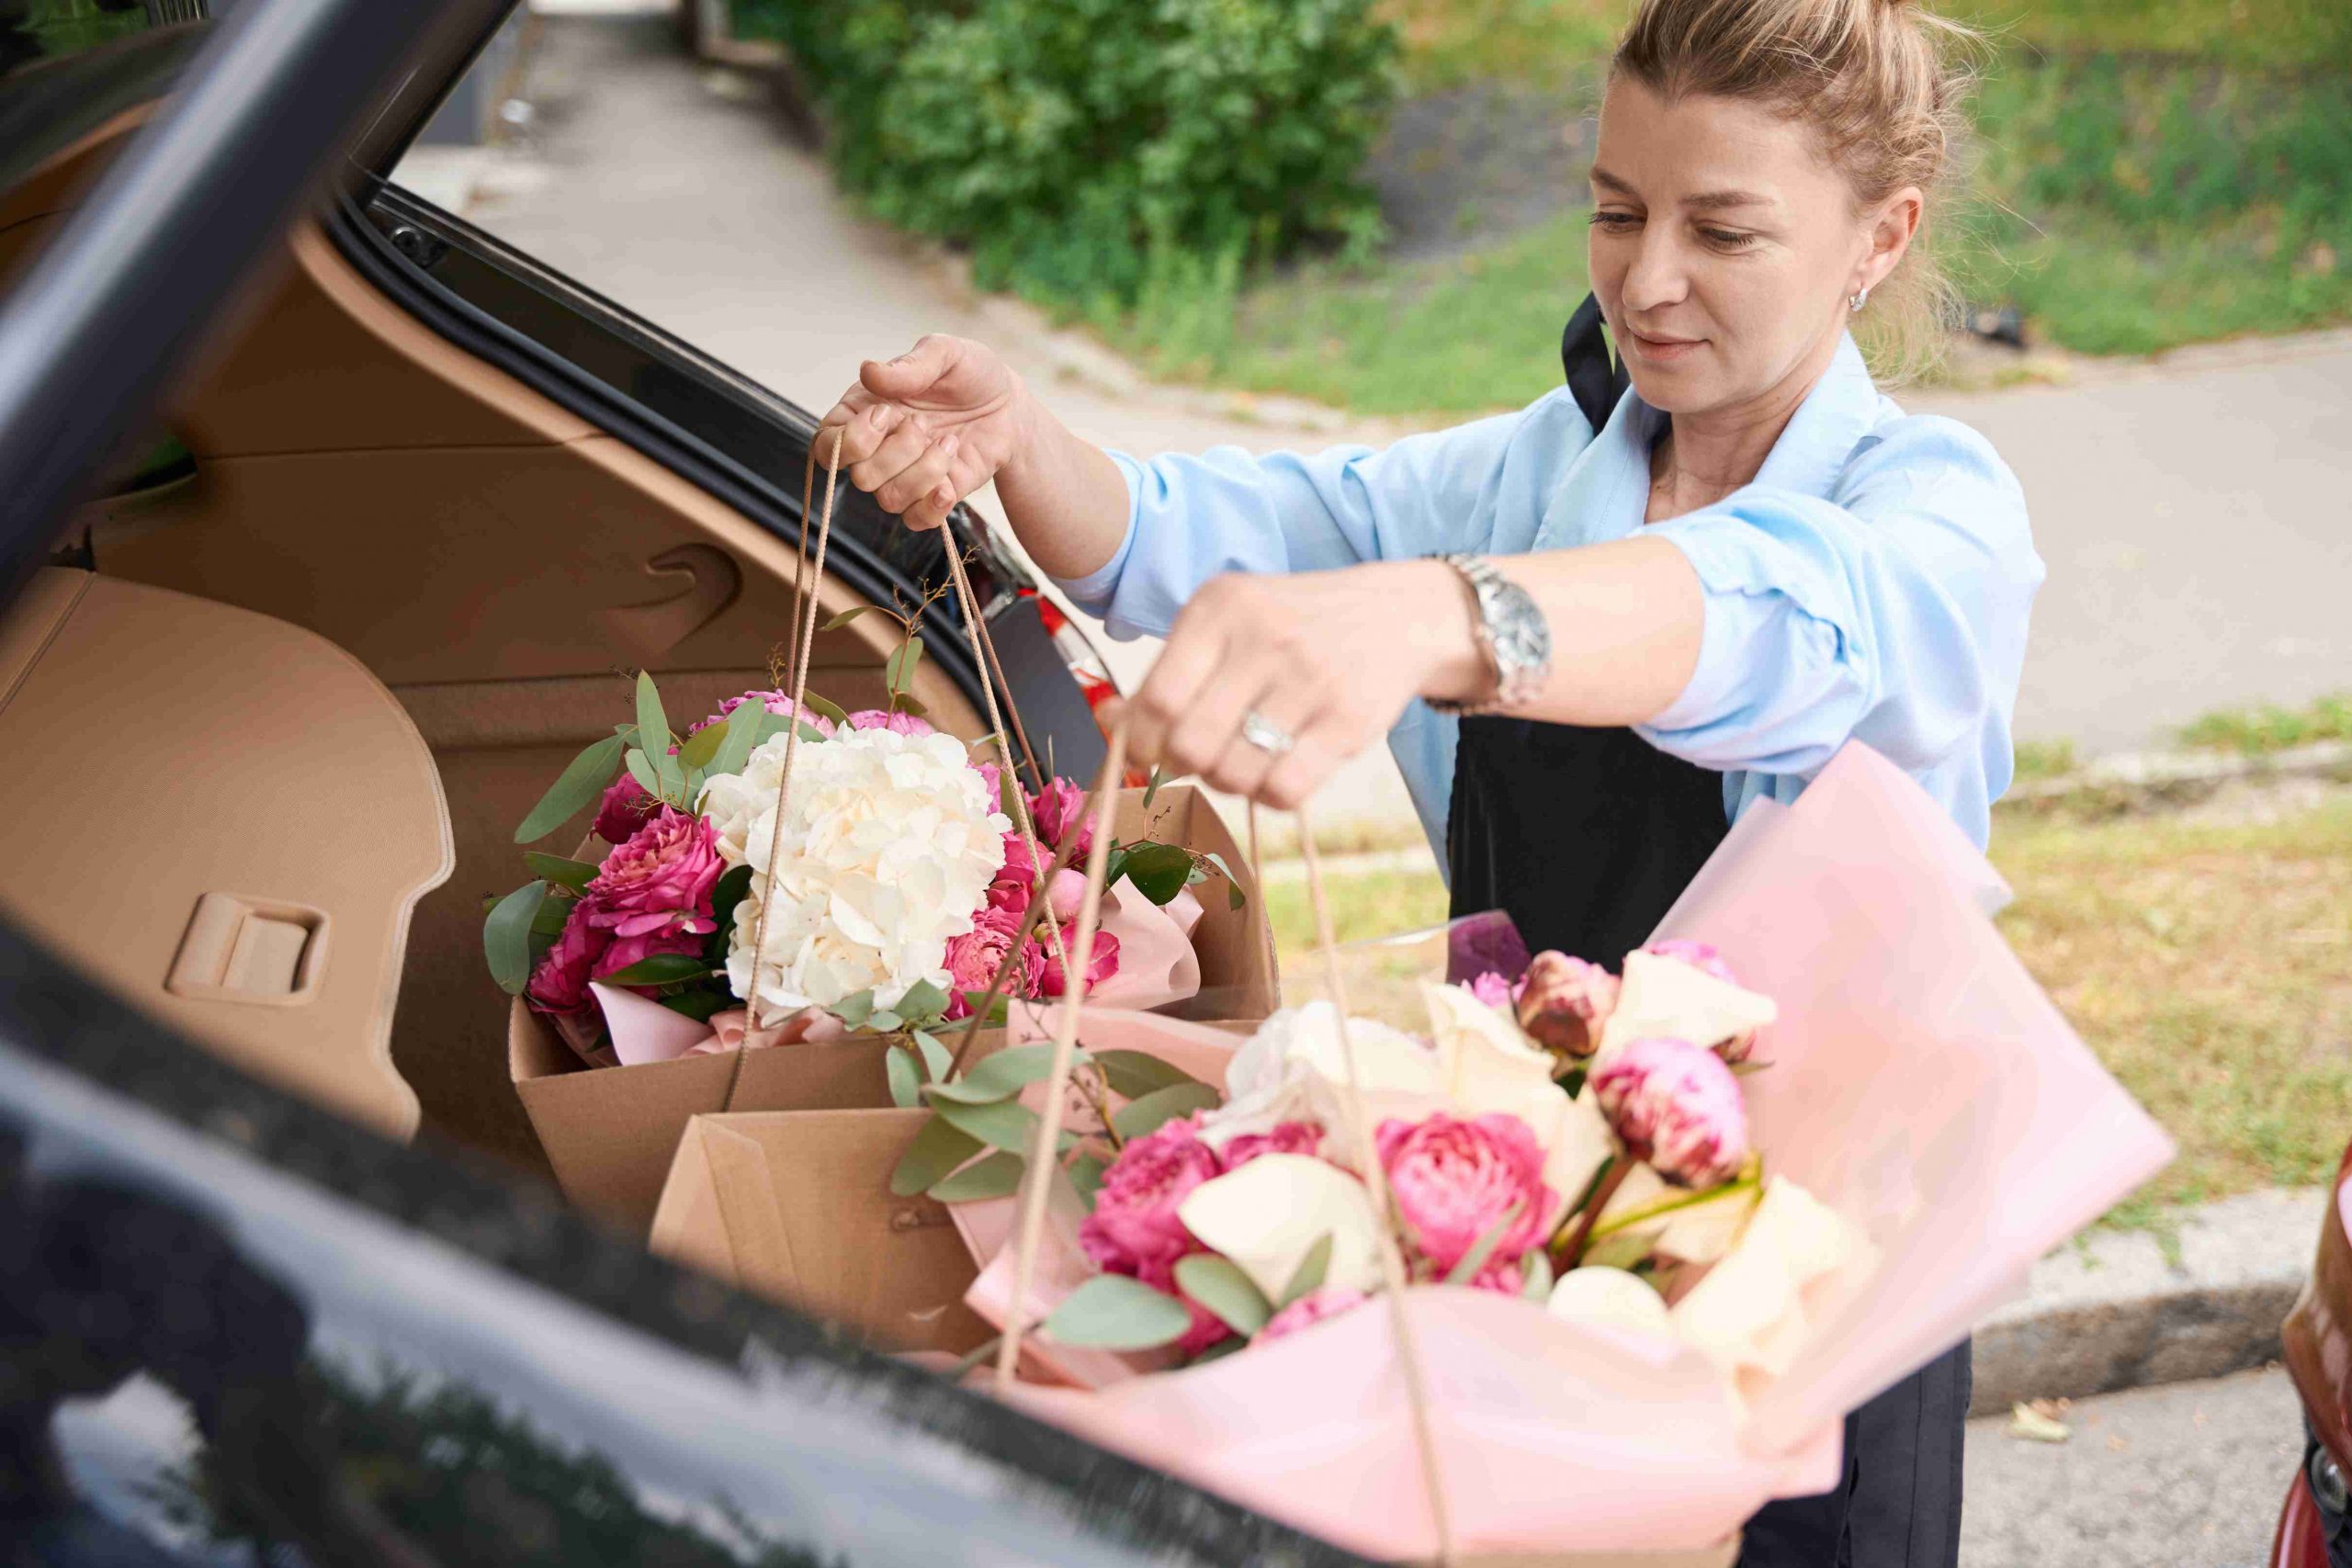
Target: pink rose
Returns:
[[896, 723], [623, 810], [1677, 1106], [1324, 1301], [1564, 1002], [1702, 957], [1056, 811], [561, 982], [1288, 1138], [661, 879], [1017, 873], [777, 703], [974, 958], [1454, 1179], [1135, 1224], [628, 949], [1103, 961]]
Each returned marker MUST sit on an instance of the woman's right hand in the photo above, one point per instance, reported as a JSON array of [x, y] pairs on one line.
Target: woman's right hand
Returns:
[[921, 432]]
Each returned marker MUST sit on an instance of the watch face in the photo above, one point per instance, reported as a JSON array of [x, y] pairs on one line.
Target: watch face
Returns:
[[1522, 642]]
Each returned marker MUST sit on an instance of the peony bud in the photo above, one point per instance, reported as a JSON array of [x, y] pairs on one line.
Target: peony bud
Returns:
[[1565, 1002], [1676, 1106]]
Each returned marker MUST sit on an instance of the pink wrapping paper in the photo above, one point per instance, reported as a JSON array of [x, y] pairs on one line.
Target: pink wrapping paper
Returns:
[[1921, 1084]]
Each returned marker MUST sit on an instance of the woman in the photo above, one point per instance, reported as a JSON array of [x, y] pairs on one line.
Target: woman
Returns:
[[1658, 607]]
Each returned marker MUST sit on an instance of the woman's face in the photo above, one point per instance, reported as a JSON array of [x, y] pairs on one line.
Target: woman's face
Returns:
[[1724, 247]]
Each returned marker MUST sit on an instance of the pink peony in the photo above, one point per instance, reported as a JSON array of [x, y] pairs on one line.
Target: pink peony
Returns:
[[1452, 1181], [1564, 1002], [777, 703], [974, 957], [897, 723], [1055, 811], [1492, 989], [661, 879], [623, 810], [1135, 1225], [1702, 957], [561, 982], [1677, 1106], [1324, 1302], [1103, 962], [1503, 1278], [1288, 1138]]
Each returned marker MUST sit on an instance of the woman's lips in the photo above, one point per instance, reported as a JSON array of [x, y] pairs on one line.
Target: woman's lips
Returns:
[[1662, 350]]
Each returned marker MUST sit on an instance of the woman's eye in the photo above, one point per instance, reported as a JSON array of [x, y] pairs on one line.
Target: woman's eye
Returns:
[[1616, 220], [1727, 238]]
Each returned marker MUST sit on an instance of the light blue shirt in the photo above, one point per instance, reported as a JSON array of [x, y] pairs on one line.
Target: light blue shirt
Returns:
[[1872, 583]]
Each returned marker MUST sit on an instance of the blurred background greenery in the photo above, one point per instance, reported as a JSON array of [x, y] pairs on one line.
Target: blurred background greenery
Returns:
[[1377, 203]]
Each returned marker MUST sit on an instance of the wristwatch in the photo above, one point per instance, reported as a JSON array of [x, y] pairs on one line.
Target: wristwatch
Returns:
[[1511, 632]]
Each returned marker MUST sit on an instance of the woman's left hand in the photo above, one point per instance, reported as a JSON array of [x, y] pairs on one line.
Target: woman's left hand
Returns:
[[1325, 659]]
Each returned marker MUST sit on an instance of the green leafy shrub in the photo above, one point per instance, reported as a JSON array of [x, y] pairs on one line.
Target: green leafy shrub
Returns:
[[1079, 148]]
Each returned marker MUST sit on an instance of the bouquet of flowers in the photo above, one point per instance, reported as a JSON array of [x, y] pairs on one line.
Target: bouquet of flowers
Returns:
[[890, 897], [1577, 1259]]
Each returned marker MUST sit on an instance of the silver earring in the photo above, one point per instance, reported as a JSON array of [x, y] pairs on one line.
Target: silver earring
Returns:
[[1860, 298]]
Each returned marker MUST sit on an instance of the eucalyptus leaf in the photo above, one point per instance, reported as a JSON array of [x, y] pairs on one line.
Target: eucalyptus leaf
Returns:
[[648, 778], [742, 731], [998, 1176], [585, 778], [1001, 1124], [1110, 1312], [1217, 1284], [855, 1009], [659, 969], [1151, 785], [846, 617], [885, 1020], [572, 873], [830, 710], [507, 937], [652, 724], [1139, 1117], [921, 1000], [673, 778], [1484, 1247], [1158, 870], [1134, 1074], [899, 669], [1086, 1176], [1308, 1277], [936, 1058], [907, 705], [1234, 897], [697, 749], [906, 1086], [1003, 1076], [552, 919], [939, 1148], [1114, 865]]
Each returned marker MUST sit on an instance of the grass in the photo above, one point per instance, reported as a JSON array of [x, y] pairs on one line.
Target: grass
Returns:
[[2206, 964], [2258, 732], [2152, 175]]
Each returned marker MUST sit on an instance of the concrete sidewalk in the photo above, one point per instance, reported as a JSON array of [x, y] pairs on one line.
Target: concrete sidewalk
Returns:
[[2195, 523]]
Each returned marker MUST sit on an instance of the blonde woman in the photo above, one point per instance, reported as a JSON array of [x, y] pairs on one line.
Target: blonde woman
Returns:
[[1595, 630]]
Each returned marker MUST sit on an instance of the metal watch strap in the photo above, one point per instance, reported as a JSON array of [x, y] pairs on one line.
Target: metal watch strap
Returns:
[[1511, 635]]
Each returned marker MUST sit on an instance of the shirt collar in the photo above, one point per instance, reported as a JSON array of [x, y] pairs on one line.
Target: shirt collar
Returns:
[[1822, 435]]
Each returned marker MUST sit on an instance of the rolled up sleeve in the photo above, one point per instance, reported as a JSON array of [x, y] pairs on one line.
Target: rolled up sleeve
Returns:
[[1475, 487], [1894, 613]]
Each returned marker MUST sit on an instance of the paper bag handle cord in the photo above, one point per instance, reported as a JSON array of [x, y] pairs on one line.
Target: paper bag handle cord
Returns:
[[1038, 1179]]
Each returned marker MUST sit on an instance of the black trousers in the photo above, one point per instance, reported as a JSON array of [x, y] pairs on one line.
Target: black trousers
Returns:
[[1899, 1503]]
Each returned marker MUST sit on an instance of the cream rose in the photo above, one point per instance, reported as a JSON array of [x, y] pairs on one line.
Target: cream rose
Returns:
[[887, 847]]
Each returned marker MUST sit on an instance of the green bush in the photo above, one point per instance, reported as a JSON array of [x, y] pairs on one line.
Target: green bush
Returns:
[[1086, 151]]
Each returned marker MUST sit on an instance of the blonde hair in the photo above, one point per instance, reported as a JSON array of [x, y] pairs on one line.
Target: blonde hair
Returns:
[[1883, 84]]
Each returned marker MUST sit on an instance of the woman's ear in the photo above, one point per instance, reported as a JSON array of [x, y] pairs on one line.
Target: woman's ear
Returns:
[[1892, 227]]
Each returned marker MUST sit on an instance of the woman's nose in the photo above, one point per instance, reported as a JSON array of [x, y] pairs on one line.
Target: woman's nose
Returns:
[[1657, 278]]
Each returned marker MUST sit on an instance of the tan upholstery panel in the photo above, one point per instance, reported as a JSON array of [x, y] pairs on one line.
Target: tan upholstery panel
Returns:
[[246, 820]]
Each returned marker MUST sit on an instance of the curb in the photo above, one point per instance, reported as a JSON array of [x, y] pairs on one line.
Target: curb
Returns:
[[2114, 1312], [2156, 773]]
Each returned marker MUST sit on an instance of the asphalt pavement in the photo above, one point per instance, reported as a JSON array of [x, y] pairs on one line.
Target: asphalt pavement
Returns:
[[2186, 1476]]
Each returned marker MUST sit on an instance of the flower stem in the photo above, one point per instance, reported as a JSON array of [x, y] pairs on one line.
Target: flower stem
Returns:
[[1681, 1200], [1573, 1248]]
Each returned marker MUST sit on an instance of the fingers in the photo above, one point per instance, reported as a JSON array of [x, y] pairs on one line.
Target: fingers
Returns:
[[931, 511], [919, 479], [1188, 668], [914, 372], [862, 424]]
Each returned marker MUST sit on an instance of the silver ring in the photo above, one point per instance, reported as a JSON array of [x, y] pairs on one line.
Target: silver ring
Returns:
[[1266, 735]]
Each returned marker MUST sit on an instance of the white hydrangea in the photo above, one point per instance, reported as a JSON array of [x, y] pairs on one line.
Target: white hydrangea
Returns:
[[889, 845]]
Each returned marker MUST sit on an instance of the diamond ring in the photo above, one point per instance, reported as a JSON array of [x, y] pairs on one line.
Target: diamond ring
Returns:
[[1266, 735]]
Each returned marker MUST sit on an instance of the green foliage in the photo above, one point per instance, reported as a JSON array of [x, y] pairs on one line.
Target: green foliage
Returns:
[[1218, 1284], [506, 936], [2258, 732], [1075, 145], [1110, 1312], [66, 26]]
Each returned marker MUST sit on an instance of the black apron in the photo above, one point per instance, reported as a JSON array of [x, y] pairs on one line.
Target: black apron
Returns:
[[1586, 838]]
